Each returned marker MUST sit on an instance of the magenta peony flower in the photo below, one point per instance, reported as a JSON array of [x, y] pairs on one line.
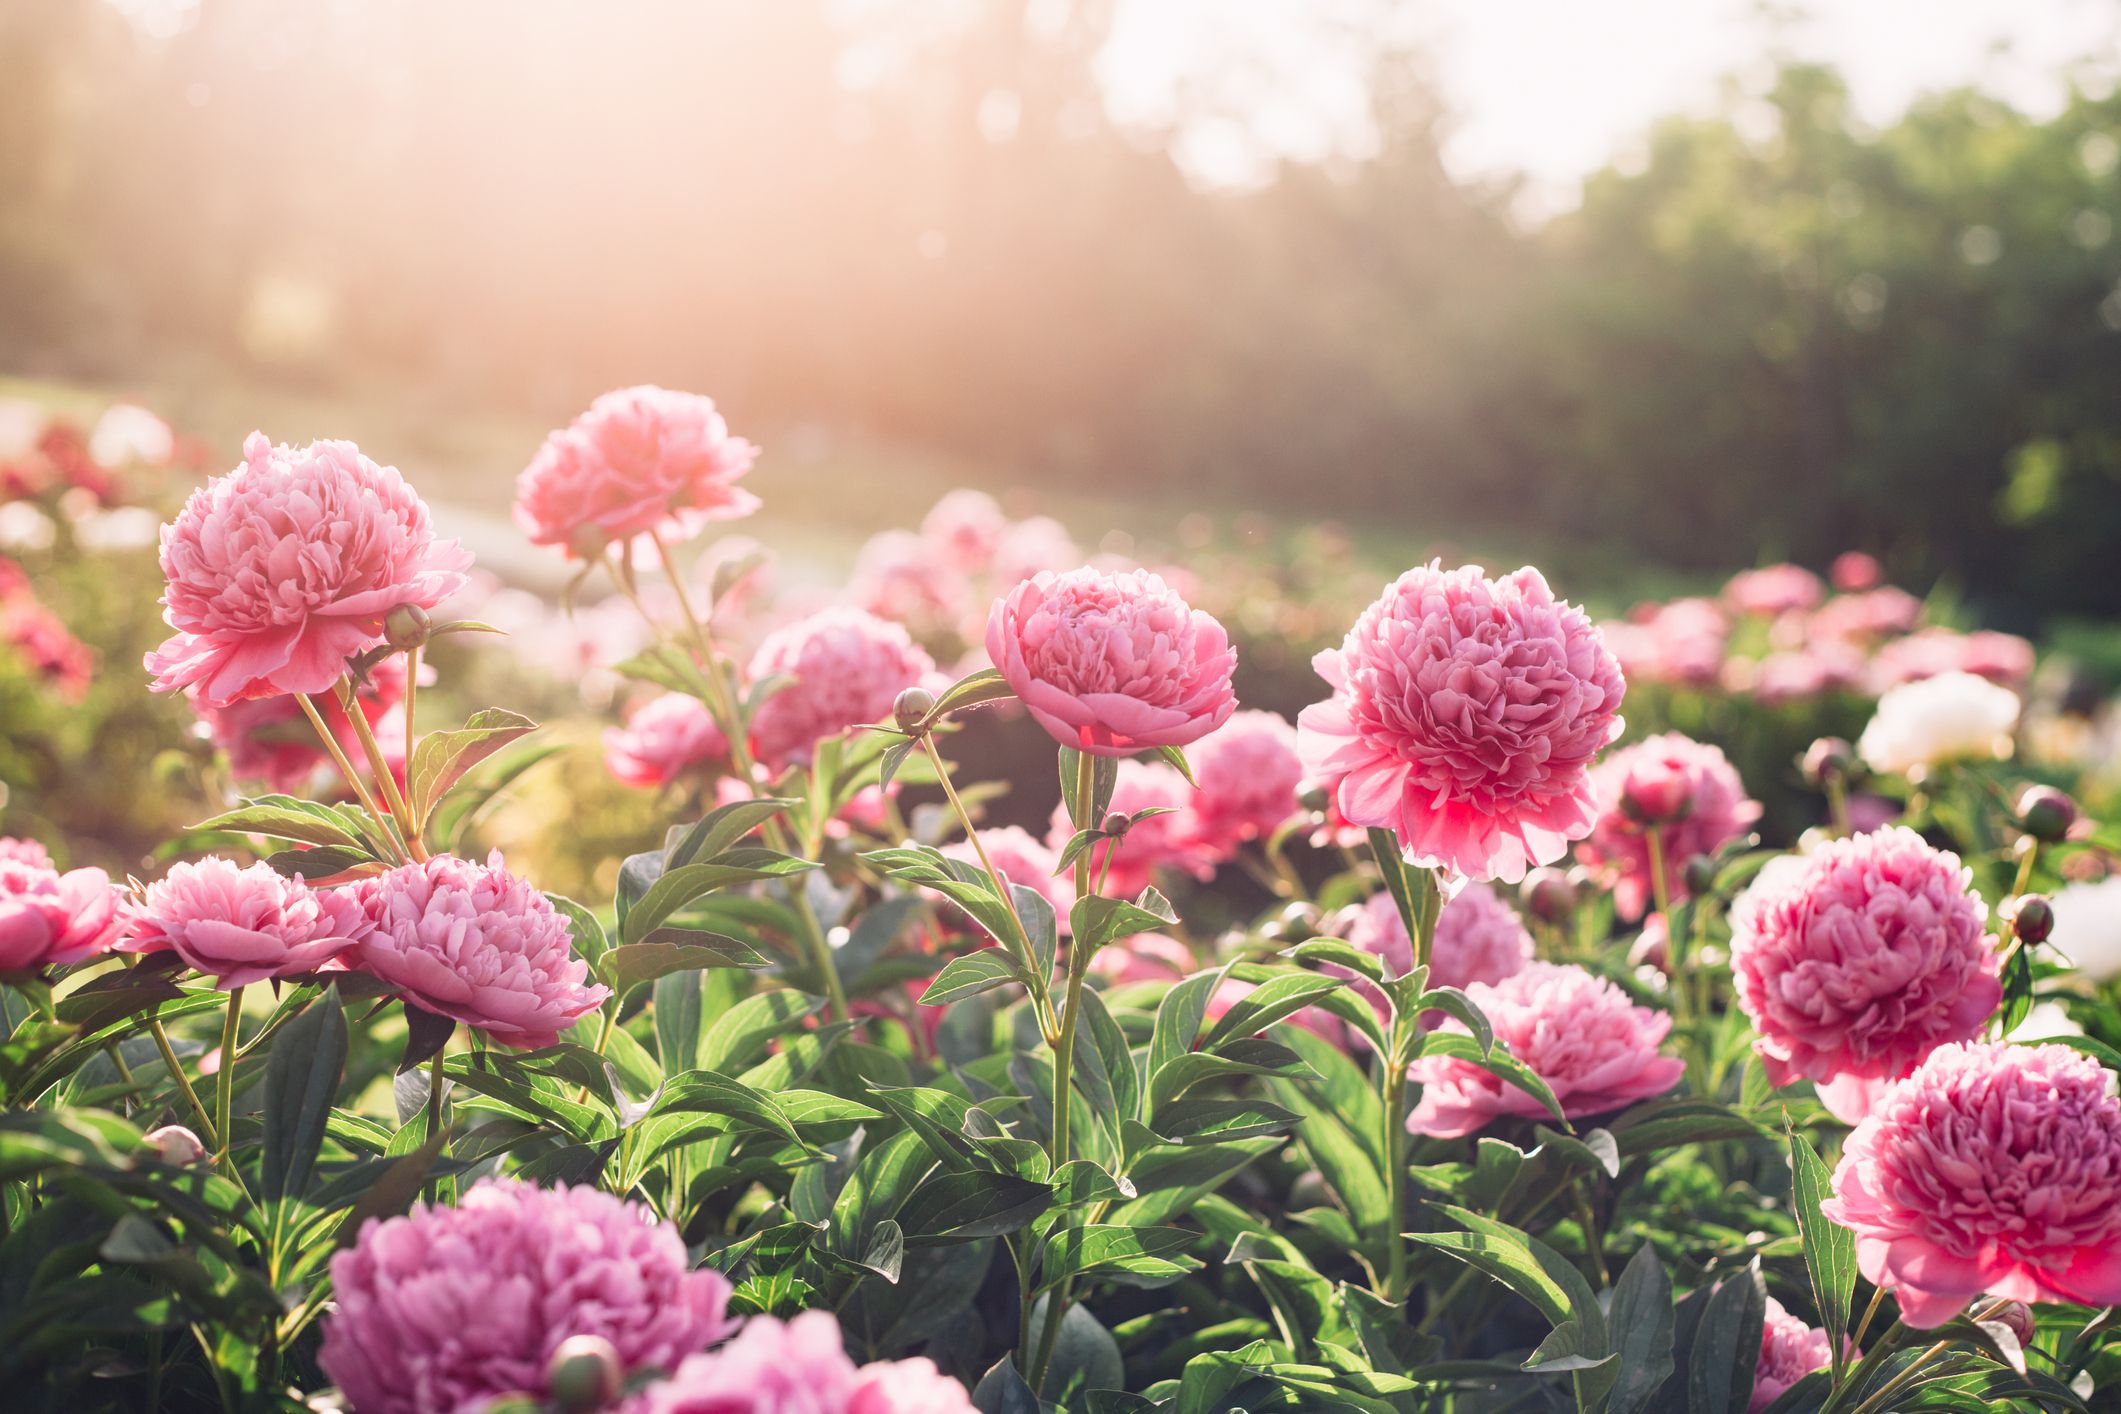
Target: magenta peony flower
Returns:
[[1684, 788], [478, 944], [640, 460], [1595, 1049], [1479, 938], [1789, 1350], [845, 666], [50, 919], [1249, 774], [1991, 1169], [1774, 590], [798, 1367], [1023, 859], [14, 851], [665, 739], [243, 925], [1856, 961], [286, 567], [965, 527], [1465, 712], [1112, 663], [445, 1308], [1157, 843]]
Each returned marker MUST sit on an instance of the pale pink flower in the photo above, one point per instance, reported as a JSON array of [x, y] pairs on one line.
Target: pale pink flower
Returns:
[[1866, 617], [1690, 791], [1030, 547], [1465, 713], [641, 460], [286, 567], [1681, 642], [1798, 674], [1023, 860], [242, 925], [1856, 961], [846, 667], [175, 1145], [1853, 572], [665, 739], [1773, 590], [1992, 1169], [1479, 938], [966, 528], [1249, 774], [1789, 1350], [1595, 1049], [798, 1367], [14, 851], [478, 944], [50, 919], [443, 1309], [907, 1387], [2002, 658], [1157, 843], [1112, 663], [901, 577]]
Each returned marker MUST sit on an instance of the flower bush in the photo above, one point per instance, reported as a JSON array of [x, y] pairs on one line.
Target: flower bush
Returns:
[[1292, 1065]]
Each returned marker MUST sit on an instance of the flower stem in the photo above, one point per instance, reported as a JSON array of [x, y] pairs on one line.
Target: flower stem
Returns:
[[346, 767], [1395, 1133], [225, 1090], [994, 875], [212, 1136], [434, 1093], [349, 703]]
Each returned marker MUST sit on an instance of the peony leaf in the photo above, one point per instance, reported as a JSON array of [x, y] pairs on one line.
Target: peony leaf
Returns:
[[301, 1079], [1829, 1248], [442, 758]]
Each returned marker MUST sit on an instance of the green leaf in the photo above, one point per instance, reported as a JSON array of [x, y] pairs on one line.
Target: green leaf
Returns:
[[301, 1079], [1498, 1063], [1104, 775], [740, 1034], [1454, 1003], [1178, 1018], [1133, 1256], [1333, 952], [1527, 1266], [1279, 996], [441, 758], [1829, 1248], [1641, 1321], [972, 974], [705, 1092], [1413, 890], [671, 950], [1175, 758], [675, 888], [959, 1207], [1246, 1056], [590, 942], [1003, 1391], [937, 1116], [284, 817], [1726, 1346], [720, 829], [1096, 920]]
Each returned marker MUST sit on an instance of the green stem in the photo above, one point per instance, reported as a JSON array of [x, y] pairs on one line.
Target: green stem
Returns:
[[1837, 805], [346, 766], [994, 875], [1591, 1241], [225, 1090], [350, 704], [1395, 1120], [434, 1093], [212, 1136]]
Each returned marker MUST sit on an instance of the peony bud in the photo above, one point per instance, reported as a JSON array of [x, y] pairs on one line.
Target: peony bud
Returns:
[[175, 1145], [1828, 758], [584, 1373], [1698, 874], [1656, 794], [1549, 895], [2033, 919], [911, 708], [2046, 813], [407, 626], [1117, 824], [2017, 1318]]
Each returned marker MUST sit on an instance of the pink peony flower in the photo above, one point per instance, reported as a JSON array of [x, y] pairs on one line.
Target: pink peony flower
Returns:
[[445, 1308], [1853, 572], [901, 577], [1866, 617], [1681, 642], [1142, 957], [1595, 1049], [2002, 658], [665, 739], [46, 646], [1112, 663], [478, 944], [1157, 843], [1991, 1169], [271, 739], [1030, 547], [50, 919], [14, 851], [1789, 1350], [1479, 938], [639, 461], [966, 528], [1465, 713], [286, 567], [1024, 860], [845, 666], [1249, 774], [243, 925], [798, 1367], [1856, 961], [1687, 786], [1774, 590], [175, 1145]]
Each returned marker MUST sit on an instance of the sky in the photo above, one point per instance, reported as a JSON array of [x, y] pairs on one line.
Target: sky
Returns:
[[1555, 89]]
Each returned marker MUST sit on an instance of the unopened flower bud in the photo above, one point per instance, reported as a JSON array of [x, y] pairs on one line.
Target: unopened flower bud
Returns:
[[584, 1373], [1314, 798], [2033, 918], [2017, 1318], [175, 1145], [1698, 874], [1656, 795], [2046, 813], [1828, 758], [407, 626], [1117, 824], [1548, 895], [911, 708]]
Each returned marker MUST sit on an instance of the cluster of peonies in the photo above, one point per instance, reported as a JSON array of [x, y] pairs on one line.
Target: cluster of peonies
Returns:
[[35, 636], [50, 918], [453, 1308], [44, 457], [967, 552]]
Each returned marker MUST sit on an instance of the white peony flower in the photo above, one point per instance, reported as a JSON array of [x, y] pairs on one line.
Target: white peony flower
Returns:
[[2088, 927], [127, 435], [1950, 717]]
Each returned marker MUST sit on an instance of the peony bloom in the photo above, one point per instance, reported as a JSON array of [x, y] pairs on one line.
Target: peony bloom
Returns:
[[1249, 774], [129, 435], [1992, 1169], [2002, 658], [243, 925], [286, 567], [1789, 1350], [845, 668], [271, 739], [798, 1367], [1464, 716], [50, 919], [1023, 859], [1687, 790], [966, 528], [1112, 663], [2087, 927], [640, 461], [476, 943], [1479, 938], [1774, 590], [1950, 717], [445, 1308], [665, 739], [1595, 1049], [1865, 618], [1159, 842], [1856, 961], [46, 646], [1853, 572], [900, 577], [14, 851], [1681, 642], [1030, 547]]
